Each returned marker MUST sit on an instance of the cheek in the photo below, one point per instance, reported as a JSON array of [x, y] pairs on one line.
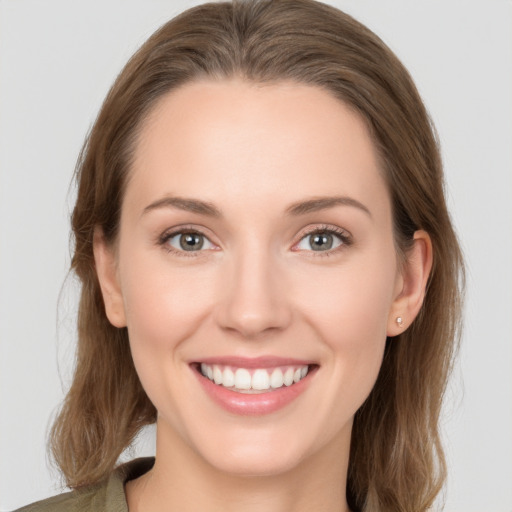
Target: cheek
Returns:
[[349, 304], [163, 306], [348, 310]]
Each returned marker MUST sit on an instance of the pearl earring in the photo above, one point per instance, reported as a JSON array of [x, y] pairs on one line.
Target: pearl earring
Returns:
[[399, 321]]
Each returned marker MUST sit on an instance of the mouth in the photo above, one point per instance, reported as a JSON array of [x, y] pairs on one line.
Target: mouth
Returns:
[[253, 381], [253, 386]]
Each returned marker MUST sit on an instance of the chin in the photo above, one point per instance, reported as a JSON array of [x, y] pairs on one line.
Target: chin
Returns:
[[255, 462], [269, 450]]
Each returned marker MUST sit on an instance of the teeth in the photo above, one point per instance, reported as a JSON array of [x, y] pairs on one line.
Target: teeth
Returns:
[[260, 379], [288, 377], [228, 378], [276, 379], [217, 375], [242, 379]]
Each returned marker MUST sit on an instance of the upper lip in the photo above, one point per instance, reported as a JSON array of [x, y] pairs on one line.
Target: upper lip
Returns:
[[254, 362]]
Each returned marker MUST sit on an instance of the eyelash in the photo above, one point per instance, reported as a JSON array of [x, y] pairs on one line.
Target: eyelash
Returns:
[[165, 237], [344, 237]]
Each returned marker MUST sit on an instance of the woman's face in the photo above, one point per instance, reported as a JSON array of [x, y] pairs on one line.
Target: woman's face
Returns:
[[256, 245]]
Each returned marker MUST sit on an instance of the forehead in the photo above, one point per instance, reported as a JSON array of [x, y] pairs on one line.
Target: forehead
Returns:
[[227, 138]]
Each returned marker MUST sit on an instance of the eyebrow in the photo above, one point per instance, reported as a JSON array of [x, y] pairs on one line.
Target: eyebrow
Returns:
[[322, 203], [314, 204], [186, 204]]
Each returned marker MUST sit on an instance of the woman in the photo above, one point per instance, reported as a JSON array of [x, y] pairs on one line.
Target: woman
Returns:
[[268, 271]]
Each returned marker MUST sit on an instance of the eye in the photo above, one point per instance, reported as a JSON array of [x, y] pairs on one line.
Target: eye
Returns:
[[324, 239], [185, 241]]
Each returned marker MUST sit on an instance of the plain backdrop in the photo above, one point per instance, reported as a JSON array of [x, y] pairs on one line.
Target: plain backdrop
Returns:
[[57, 61]]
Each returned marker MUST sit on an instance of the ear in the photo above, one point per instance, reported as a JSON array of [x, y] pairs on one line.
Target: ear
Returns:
[[412, 285], [106, 269]]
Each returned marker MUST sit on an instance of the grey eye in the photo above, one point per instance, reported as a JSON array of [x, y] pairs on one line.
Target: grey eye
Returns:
[[320, 241], [189, 241]]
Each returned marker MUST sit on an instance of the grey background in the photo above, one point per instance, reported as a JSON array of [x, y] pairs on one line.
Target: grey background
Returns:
[[57, 61]]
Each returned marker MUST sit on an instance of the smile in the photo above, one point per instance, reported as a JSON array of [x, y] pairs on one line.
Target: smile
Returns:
[[254, 386], [259, 380]]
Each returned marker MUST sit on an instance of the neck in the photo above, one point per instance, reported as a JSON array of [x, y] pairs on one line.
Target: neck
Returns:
[[182, 480]]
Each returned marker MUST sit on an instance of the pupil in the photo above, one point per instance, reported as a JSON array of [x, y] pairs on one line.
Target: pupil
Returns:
[[322, 241], [191, 241]]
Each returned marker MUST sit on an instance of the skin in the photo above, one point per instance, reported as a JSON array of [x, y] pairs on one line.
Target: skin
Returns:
[[256, 288]]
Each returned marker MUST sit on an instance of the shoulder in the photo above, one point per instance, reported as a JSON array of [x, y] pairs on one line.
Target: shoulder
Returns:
[[108, 496], [68, 502]]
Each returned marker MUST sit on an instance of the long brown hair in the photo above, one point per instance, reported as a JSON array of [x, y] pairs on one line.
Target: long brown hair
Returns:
[[396, 460]]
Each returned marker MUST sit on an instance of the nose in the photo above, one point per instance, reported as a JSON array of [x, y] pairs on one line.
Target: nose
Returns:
[[254, 298]]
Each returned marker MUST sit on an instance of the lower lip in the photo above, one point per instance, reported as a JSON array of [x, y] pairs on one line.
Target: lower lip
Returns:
[[246, 404]]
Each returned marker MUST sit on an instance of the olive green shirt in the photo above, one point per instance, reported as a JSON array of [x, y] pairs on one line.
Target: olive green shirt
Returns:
[[108, 496]]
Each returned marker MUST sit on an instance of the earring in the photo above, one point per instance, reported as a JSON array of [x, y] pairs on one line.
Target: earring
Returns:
[[399, 321]]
